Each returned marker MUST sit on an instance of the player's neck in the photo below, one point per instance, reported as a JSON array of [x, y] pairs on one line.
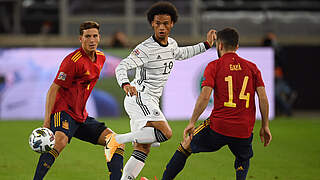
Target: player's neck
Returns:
[[226, 52], [161, 41], [91, 55]]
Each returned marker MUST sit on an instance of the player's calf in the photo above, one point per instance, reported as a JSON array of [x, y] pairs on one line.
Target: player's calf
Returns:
[[242, 168]]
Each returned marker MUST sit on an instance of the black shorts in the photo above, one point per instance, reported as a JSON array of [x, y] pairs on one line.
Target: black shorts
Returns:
[[88, 131], [207, 140]]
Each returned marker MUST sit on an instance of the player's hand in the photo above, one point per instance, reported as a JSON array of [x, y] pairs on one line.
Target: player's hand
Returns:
[[211, 36], [265, 135], [130, 90], [188, 130]]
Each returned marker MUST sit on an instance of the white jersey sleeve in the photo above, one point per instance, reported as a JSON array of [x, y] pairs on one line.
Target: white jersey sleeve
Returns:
[[181, 53], [137, 58]]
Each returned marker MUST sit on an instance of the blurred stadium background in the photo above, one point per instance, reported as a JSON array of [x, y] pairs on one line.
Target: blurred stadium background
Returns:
[[36, 34]]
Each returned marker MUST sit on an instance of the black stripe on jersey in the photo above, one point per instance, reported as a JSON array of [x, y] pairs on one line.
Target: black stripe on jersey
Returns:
[[121, 69], [143, 76], [143, 53], [134, 61], [159, 52], [154, 68], [138, 58], [143, 107], [194, 51], [123, 79], [158, 60], [130, 67]]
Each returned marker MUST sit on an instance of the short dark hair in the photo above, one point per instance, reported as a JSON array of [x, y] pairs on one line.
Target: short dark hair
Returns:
[[229, 37], [163, 7], [88, 25]]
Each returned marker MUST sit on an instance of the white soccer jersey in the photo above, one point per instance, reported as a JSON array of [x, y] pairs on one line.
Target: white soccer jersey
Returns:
[[153, 63]]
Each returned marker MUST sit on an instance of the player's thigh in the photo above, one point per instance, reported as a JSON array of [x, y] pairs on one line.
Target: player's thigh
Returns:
[[143, 109], [64, 123], [91, 130], [205, 139], [163, 126], [241, 148]]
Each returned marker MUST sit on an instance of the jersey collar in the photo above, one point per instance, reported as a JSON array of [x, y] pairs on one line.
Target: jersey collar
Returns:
[[229, 54], [87, 57], [154, 38]]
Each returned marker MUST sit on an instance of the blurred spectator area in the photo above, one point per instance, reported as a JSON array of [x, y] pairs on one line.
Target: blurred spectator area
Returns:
[[56, 22]]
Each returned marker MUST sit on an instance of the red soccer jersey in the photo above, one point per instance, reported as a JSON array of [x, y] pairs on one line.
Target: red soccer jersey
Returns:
[[234, 81], [77, 76]]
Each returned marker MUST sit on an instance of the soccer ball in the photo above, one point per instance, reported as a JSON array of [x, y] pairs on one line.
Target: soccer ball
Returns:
[[41, 140]]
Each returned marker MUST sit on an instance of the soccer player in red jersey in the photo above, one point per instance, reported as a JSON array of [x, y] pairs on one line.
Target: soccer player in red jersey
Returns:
[[65, 111], [234, 81]]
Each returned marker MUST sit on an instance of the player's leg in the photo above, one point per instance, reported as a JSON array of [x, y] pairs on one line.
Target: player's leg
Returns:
[[148, 124], [204, 140], [95, 132], [156, 131], [115, 166], [155, 128], [136, 162], [61, 131], [178, 160], [242, 149]]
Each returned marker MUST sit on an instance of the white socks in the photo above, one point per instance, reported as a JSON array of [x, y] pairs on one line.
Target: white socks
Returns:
[[144, 136], [134, 165]]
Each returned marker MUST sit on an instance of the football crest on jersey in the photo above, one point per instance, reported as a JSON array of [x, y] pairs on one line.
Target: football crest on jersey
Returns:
[[156, 112], [62, 76]]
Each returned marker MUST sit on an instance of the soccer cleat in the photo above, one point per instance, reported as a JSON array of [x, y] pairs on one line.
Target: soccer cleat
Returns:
[[111, 146]]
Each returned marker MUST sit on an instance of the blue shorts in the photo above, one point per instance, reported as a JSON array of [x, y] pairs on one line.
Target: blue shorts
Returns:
[[88, 131], [207, 140]]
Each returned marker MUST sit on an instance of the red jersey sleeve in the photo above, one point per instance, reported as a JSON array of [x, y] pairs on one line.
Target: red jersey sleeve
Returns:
[[209, 75], [258, 78], [66, 73]]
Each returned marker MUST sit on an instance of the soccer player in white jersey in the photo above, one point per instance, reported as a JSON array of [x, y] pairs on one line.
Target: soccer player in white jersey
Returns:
[[153, 60]]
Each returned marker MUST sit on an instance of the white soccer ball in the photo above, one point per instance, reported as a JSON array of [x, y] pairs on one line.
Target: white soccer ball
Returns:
[[41, 140]]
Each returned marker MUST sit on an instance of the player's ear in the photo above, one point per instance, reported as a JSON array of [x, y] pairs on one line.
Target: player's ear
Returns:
[[80, 39], [237, 47]]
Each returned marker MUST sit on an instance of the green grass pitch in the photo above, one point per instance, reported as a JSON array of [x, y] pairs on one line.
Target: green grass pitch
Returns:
[[294, 154]]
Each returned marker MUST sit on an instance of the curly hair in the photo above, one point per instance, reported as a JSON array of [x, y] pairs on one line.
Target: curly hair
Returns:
[[163, 7]]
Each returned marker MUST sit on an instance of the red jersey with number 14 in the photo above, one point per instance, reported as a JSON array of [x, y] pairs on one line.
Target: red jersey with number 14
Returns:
[[234, 81], [77, 76]]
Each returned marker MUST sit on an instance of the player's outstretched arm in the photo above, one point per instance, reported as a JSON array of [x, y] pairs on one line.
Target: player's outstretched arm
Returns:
[[200, 106], [265, 134], [50, 99], [181, 53]]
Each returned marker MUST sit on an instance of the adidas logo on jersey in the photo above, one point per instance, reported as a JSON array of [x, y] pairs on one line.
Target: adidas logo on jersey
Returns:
[[159, 57]]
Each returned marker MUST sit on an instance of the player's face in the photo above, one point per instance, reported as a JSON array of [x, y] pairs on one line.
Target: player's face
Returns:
[[90, 39], [162, 25]]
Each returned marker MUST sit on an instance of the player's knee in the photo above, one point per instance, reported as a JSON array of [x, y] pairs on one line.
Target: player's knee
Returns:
[[168, 134], [61, 140], [163, 135]]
